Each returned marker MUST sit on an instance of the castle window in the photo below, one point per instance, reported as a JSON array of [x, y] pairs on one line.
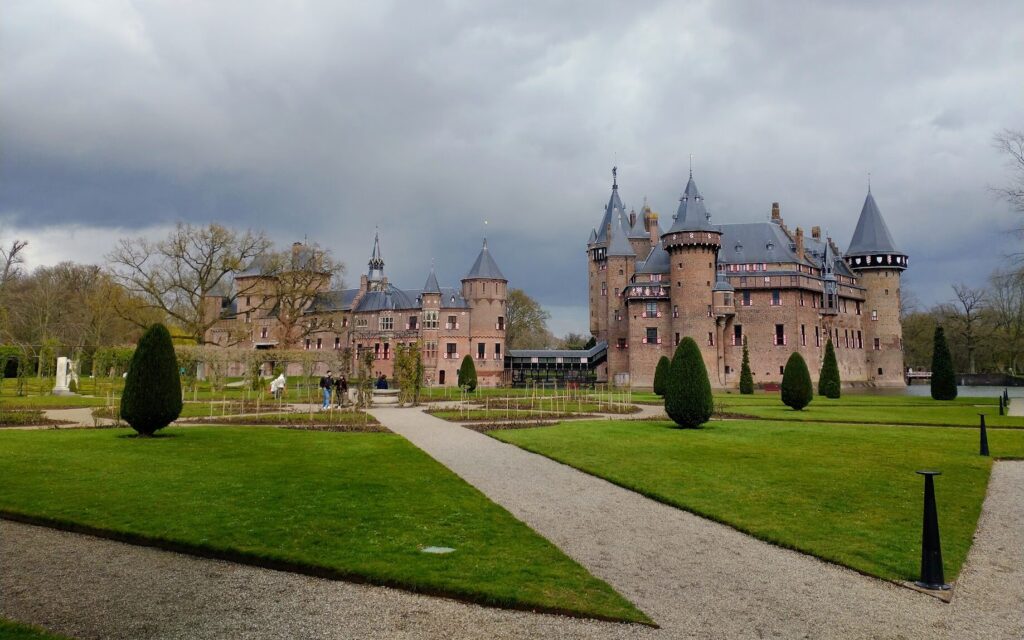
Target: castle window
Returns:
[[737, 335], [319, 343], [385, 323], [337, 343], [387, 351], [361, 323], [880, 368], [481, 351], [497, 351], [803, 335], [860, 340], [501, 323], [431, 349], [780, 335], [710, 312], [604, 288], [886, 292], [652, 336], [711, 338], [450, 352], [776, 297], [817, 336], [878, 344], [263, 332], [621, 343], [782, 370], [857, 306], [767, 280], [248, 301], [801, 298], [746, 298], [413, 323], [874, 314], [452, 323], [675, 311], [621, 272], [677, 339], [846, 337], [308, 342], [430, 319]]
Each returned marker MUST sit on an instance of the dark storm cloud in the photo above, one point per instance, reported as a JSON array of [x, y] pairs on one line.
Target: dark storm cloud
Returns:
[[323, 121]]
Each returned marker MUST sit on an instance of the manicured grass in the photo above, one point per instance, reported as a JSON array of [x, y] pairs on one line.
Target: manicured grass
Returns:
[[484, 415], [845, 493], [50, 402], [22, 418], [361, 505], [925, 413], [10, 630]]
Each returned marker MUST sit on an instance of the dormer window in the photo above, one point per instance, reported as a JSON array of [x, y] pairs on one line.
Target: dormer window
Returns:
[[770, 245], [738, 247]]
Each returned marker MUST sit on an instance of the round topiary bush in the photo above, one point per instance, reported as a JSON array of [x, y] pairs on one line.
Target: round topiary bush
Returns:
[[797, 390], [746, 377], [152, 390], [661, 375], [943, 374], [829, 384], [688, 400], [467, 374]]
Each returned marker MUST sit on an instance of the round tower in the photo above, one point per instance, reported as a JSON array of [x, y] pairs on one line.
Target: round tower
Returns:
[[485, 290], [620, 262], [693, 244], [878, 264]]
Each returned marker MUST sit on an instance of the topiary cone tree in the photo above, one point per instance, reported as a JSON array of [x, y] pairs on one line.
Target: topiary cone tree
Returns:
[[943, 374], [797, 390], [746, 377], [829, 384], [688, 400], [467, 374], [661, 375], [152, 389]]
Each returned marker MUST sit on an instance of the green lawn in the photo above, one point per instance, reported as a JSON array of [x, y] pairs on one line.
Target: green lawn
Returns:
[[361, 505], [10, 630], [931, 412], [845, 493]]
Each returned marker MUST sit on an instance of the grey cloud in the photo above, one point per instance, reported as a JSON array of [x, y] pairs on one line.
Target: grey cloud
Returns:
[[327, 119]]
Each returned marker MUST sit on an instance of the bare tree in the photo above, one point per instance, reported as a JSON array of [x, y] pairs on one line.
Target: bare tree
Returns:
[[11, 260], [969, 305], [1006, 308], [1011, 144], [181, 273], [295, 277]]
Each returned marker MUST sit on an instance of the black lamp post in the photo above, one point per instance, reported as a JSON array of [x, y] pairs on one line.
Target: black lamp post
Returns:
[[1000, 405], [984, 436], [931, 551]]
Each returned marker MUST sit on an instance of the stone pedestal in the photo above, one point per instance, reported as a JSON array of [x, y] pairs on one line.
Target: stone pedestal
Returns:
[[385, 397], [64, 374]]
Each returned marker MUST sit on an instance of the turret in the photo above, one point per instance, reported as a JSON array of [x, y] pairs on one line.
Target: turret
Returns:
[[621, 263], [693, 243], [375, 280], [878, 264], [485, 289]]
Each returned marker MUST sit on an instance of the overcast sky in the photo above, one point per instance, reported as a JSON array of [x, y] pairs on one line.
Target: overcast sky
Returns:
[[327, 119]]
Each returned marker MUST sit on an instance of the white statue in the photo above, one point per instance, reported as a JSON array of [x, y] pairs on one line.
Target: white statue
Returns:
[[60, 388]]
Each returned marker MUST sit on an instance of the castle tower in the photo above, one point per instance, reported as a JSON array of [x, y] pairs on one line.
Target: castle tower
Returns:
[[873, 256], [485, 289], [597, 250], [430, 302], [621, 264], [375, 280], [693, 244]]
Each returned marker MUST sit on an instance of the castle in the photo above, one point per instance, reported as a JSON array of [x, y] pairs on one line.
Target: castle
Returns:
[[448, 323], [760, 282]]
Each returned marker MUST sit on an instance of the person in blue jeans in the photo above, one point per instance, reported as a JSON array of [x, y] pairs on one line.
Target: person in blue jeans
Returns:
[[326, 384]]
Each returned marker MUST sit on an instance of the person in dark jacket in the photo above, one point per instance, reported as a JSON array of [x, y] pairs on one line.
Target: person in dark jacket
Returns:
[[326, 385], [340, 391]]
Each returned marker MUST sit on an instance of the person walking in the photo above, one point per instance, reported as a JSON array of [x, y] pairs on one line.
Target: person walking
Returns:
[[277, 386], [340, 390], [326, 384]]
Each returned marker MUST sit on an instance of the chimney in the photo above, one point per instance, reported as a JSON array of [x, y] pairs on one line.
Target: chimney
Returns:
[[776, 214], [799, 244], [816, 233], [632, 218], [652, 226]]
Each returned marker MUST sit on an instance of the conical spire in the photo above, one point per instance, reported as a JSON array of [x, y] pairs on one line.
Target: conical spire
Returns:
[[431, 286], [485, 267], [618, 244], [871, 235], [691, 215], [614, 202], [376, 263]]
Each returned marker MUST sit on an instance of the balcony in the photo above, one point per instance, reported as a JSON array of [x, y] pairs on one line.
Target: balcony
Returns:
[[780, 341]]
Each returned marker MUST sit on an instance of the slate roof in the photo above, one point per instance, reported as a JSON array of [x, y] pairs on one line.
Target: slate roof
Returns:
[[871, 235], [614, 202], [618, 244], [722, 283], [333, 301], [657, 261], [431, 286], [637, 230], [691, 215], [485, 266]]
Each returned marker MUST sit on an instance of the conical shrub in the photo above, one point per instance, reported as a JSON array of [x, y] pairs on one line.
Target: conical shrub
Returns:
[[829, 384], [943, 374], [688, 400], [746, 377], [467, 374], [797, 390], [661, 375], [152, 389]]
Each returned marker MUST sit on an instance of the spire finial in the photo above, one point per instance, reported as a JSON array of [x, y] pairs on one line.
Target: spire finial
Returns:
[[869, 182], [691, 166], [615, 177]]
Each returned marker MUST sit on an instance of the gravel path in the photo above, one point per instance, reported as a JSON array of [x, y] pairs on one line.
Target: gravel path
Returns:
[[696, 577]]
